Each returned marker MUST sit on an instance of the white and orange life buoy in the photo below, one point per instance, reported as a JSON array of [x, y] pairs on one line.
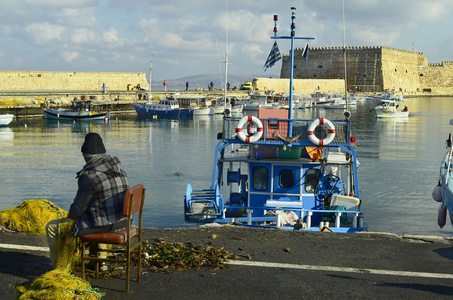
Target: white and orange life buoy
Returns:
[[251, 137], [330, 135]]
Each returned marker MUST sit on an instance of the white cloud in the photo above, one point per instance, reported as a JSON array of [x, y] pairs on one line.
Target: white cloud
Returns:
[[43, 33], [82, 36], [69, 56], [112, 39], [77, 17], [377, 38]]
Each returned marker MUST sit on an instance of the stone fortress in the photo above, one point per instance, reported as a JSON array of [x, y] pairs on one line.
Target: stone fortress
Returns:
[[369, 69]]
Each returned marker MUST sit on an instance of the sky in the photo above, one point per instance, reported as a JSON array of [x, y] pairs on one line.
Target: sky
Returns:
[[190, 37]]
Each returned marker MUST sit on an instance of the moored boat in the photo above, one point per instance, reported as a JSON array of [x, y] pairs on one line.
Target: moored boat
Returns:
[[79, 110], [281, 172], [392, 108], [164, 108], [5, 119], [443, 192]]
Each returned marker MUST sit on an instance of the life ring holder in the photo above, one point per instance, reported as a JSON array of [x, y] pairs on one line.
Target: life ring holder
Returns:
[[250, 138], [330, 136]]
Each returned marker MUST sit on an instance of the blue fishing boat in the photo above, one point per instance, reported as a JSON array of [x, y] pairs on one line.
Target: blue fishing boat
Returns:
[[281, 172], [163, 108], [443, 192]]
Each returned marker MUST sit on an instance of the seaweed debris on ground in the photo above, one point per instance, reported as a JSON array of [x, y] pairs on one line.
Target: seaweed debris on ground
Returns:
[[166, 257]]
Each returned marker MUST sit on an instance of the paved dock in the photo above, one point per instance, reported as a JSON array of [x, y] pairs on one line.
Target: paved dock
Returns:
[[271, 264]]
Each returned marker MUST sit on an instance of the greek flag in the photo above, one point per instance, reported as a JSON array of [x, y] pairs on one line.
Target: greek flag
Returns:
[[305, 53], [273, 57]]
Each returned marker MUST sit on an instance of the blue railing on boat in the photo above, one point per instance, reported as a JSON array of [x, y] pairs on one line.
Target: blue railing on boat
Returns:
[[355, 225], [204, 205], [275, 129]]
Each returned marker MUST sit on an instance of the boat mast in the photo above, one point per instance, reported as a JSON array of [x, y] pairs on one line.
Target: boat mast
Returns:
[[292, 37], [345, 67], [150, 73], [226, 58]]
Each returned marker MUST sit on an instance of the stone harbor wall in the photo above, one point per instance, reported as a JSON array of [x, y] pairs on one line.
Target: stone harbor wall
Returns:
[[70, 81], [305, 86]]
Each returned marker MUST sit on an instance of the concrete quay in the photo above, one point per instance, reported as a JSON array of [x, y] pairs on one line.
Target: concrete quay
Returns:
[[271, 264]]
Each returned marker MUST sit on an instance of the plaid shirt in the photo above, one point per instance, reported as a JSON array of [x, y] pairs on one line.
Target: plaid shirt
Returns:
[[99, 200]]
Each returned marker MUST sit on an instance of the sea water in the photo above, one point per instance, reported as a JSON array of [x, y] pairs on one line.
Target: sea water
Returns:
[[399, 161]]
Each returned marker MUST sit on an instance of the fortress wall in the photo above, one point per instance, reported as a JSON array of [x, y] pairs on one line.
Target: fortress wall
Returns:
[[437, 78], [363, 66], [300, 85], [369, 69], [69, 81], [400, 69]]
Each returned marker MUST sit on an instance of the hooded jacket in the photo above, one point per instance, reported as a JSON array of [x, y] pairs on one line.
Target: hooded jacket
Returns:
[[98, 205]]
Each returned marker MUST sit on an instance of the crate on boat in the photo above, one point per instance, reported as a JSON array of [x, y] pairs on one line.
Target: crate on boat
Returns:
[[330, 217]]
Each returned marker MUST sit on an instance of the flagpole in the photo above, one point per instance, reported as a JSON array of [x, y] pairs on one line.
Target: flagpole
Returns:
[[291, 75]]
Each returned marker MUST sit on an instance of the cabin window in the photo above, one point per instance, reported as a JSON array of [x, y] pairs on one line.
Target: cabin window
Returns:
[[260, 177], [286, 178], [312, 177], [273, 124]]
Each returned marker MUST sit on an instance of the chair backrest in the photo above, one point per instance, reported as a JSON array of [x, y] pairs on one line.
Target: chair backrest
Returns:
[[134, 194]]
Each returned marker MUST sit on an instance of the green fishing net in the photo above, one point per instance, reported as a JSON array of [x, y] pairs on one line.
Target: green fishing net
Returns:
[[32, 217]]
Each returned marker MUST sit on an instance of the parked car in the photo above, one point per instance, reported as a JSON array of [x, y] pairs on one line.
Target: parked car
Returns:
[[247, 86]]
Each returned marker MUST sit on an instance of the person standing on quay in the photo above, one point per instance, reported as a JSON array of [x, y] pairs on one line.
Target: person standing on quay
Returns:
[[187, 85], [98, 204], [165, 85]]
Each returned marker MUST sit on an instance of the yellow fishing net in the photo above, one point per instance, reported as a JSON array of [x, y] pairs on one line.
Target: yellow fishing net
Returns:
[[32, 216]]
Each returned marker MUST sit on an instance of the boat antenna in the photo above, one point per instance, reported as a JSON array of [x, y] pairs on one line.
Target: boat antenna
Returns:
[[292, 37]]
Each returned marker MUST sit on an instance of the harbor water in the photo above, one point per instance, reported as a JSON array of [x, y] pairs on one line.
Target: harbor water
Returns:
[[399, 161]]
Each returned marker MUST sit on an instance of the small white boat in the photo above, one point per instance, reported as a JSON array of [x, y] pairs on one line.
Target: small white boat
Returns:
[[340, 104], [5, 119], [201, 111], [202, 107], [392, 108]]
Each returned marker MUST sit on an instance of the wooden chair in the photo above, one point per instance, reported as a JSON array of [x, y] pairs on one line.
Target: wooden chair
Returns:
[[133, 203]]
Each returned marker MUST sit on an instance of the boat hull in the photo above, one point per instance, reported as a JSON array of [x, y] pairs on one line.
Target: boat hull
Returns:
[[147, 110], [75, 115], [5, 119], [391, 114]]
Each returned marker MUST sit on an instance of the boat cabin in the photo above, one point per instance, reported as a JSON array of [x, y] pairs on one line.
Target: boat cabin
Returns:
[[79, 105]]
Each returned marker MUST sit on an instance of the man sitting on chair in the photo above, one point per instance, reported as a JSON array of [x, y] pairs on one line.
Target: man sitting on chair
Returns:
[[98, 204]]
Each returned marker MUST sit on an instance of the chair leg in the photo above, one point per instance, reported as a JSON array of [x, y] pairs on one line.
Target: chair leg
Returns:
[[128, 265], [139, 269], [83, 260]]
